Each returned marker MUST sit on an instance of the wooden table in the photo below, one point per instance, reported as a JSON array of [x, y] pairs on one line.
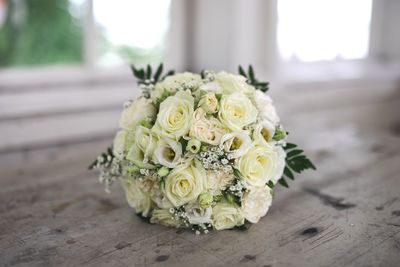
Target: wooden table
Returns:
[[53, 212]]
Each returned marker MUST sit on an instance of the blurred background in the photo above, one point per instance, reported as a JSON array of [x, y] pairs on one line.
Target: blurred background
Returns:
[[334, 65]]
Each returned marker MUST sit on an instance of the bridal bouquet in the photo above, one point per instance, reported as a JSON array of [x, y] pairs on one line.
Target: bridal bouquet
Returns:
[[200, 151]]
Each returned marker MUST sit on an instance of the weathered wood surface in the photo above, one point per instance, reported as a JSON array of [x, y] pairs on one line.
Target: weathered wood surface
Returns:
[[55, 213]]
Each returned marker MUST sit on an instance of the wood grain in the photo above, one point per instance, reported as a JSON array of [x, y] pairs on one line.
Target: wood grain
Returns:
[[55, 213]]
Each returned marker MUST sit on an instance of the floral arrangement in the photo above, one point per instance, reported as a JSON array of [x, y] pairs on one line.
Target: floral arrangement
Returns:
[[202, 151]]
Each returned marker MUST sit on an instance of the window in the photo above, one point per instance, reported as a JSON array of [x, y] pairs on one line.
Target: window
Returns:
[[48, 32], [322, 30], [131, 30]]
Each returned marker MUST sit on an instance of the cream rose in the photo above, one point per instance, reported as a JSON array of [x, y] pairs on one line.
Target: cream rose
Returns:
[[184, 183], [123, 140], [256, 203], [164, 217], [237, 111], [262, 163], [174, 116], [265, 106], [236, 143], [141, 152], [206, 130], [168, 153], [209, 103], [226, 216], [136, 197], [217, 181], [231, 83], [141, 109]]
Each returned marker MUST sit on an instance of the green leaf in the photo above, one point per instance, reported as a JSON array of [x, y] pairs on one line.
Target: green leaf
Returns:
[[294, 153], [288, 173], [296, 162], [159, 70], [270, 184], [289, 146], [251, 74], [283, 182], [238, 174], [149, 72], [251, 79], [242, 72]]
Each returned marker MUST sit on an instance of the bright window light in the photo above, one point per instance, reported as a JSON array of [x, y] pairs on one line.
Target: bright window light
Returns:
[[319, 30], [131, 30]]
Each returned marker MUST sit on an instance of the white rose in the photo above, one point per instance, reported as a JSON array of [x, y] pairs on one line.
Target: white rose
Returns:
[[168, 153], [141, 109], [265, 105], [164, 217], [262, 163], [226, 216], [206, 130], [237, 111], [236, 143], [141, 152], [231, 83], [184, 184], [136, 197], [198, 215], [255, 203], [217, 181], [209, 103], [123, 140], [174, 116], [264, 132]]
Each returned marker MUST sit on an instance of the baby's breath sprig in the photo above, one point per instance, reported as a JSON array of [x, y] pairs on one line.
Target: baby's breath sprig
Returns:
[[109, 167], [215, 158], [208, 76], [146, 80]]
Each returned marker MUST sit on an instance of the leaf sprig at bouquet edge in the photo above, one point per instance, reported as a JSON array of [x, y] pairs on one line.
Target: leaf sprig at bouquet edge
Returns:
[[295, 160]]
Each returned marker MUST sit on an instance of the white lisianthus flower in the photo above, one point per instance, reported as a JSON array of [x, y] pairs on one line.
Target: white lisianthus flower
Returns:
[[217, 181], [136, 197], [236, 143], [255, 203], [174, 116], [211, 87], [264, 132], [237, 111], [226, 216], [198, 215], [262, 163], [184, 183], [123, 140], [265, 105], [206, 130], [164, 217], [209, 103], [168, 153], [231, 83], [141, 109]]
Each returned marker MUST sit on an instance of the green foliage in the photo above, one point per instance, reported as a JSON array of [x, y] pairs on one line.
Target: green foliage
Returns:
[[251, 79], [104, 159], [45, 34], [145, 75], [296, 162]]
